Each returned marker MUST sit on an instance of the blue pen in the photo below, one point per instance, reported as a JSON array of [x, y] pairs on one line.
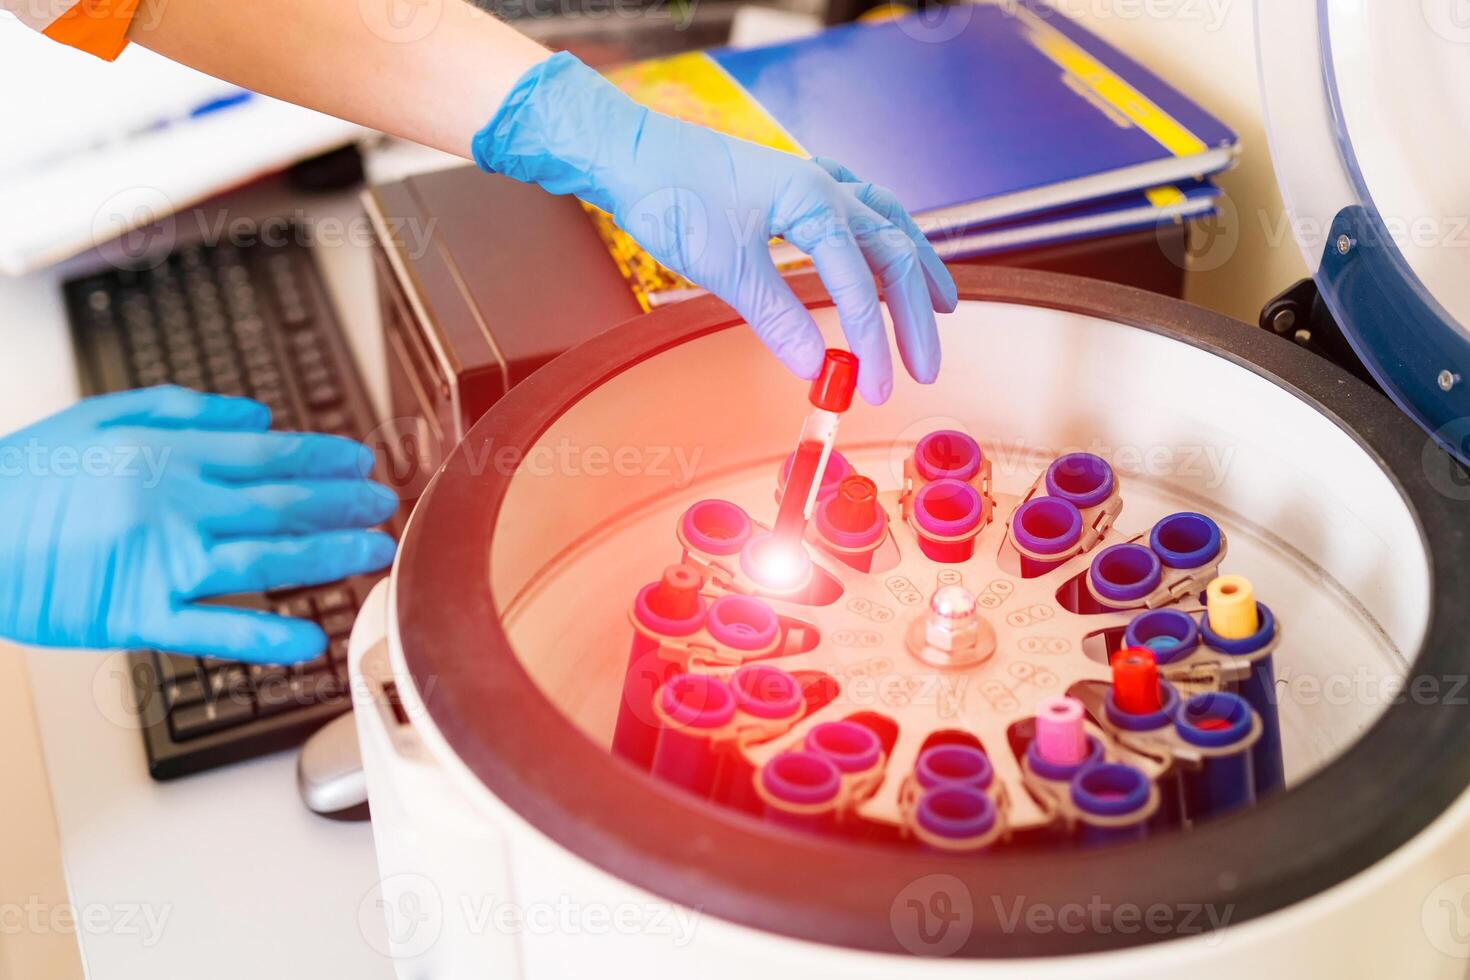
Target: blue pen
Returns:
[[208, 108], [221, 103]]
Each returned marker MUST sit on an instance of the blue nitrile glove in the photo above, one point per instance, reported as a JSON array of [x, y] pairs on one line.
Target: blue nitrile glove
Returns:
[[119, 513], [706, 206]]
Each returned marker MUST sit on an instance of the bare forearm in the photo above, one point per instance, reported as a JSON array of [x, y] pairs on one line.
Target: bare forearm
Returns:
[[433, 71]]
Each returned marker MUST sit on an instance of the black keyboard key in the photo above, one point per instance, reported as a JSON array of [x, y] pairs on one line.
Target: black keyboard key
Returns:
[[266, 673], [226, 375], [258, 359], [314, 665], [273, 396], [315, 376], [230, 683], [306, 345], [194, 720], [274, 694], [111, 363], [213, 327], [311, 364], [148, 355], [331, 420], [318, 688], [154, 374], [263, 377], [175, 667], [295, 311], [184, 358], [186, 690], [143, 335], [297, 607], [323, 395], [223, 363], [334, 598], [338, 623], [298, 691]]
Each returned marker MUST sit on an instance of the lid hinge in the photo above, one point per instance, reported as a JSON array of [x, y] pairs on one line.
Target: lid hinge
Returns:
[[1300, 315]]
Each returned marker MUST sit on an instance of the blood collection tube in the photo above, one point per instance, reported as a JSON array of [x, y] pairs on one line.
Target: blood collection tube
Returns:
[[1185, 540], [1061, 738], [770, 698], [1223, 727], [1115, 803], [693, 709], [670, 607], [830, 395], [1124, 575], [948, 454], [1062, 746], [954, 817], [1171, 635], [948, 515], [715, 527], [851, 523], [954, 764], [1235, 624], [1231, 603], [1141, 701], [1046, 532], [801, 790]]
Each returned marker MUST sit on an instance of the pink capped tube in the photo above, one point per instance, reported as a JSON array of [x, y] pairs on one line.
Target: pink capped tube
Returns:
[[1060, 737]]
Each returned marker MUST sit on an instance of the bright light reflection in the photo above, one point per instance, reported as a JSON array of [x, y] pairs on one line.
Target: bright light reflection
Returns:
[[778, 563]]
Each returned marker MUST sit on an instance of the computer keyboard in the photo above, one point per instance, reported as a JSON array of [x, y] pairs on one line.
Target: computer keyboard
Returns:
[[256, 321]]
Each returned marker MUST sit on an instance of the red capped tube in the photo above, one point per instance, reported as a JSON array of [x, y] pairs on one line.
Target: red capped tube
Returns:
[[1136, 681], [855, 507], [670, 607], [677, 594], [835, 383], [831, 395]]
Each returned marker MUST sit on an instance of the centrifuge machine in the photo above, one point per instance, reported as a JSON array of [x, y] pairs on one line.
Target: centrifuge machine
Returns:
[[1133, 645]]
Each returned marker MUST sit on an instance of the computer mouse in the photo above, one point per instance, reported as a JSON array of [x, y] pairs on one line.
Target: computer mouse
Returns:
[[329, 772]]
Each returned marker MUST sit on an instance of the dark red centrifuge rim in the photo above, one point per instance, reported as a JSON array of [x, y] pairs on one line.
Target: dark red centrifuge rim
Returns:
[[1354, 812]]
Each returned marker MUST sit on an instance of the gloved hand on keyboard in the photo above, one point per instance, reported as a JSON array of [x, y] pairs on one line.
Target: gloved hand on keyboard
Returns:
[[119, 514], [706, 206]]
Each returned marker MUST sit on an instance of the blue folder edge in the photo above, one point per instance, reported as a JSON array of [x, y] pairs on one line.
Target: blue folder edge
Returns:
[[1006, 122]]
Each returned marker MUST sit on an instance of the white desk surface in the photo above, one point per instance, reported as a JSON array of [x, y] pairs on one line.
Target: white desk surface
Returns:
[[239, 878]]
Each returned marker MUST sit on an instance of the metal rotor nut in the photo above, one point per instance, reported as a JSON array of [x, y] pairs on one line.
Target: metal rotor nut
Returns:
[[952, 633], [953, 621]]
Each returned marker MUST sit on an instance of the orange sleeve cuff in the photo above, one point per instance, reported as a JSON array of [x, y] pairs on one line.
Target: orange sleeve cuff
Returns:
[[98, 27]]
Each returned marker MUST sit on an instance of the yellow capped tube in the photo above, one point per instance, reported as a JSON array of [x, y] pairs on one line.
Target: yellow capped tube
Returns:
[[1231, 604]]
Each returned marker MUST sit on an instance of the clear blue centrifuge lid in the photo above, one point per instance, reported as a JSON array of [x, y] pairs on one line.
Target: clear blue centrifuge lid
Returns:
[[1368, 110]]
